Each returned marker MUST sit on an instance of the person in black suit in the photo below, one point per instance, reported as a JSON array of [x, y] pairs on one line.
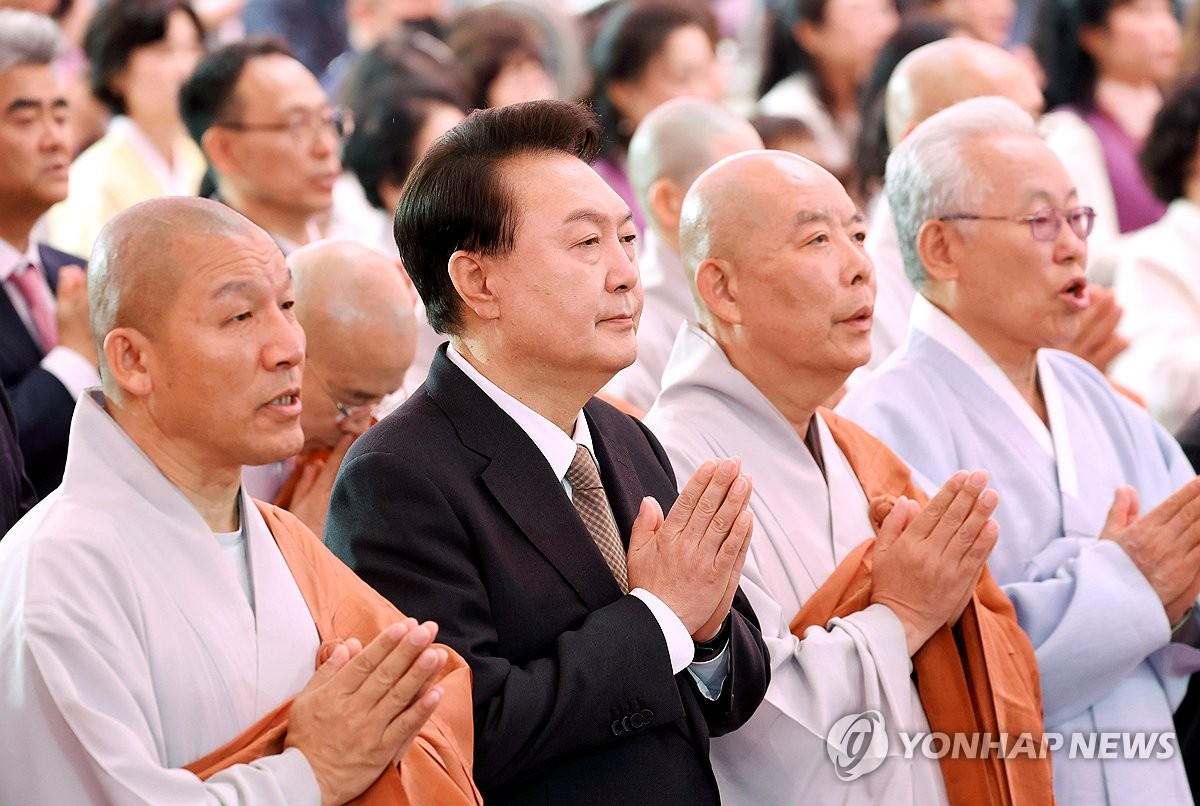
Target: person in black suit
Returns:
[[477, 503], [17, 495], [47, 357]]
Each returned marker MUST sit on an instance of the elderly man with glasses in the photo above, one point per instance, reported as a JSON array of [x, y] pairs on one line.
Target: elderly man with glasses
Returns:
[[356, 308], [1099, 511], [272, 139]]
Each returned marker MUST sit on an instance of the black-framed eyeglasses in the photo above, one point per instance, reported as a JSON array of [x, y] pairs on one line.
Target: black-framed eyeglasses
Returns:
[[344, 412], [1044, 224], [304, 126]]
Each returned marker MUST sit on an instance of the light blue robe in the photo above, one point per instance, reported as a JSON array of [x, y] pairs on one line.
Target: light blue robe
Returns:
[[1100, 631]]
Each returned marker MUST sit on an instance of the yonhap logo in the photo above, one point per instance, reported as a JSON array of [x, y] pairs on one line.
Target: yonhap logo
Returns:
[[857, 744]]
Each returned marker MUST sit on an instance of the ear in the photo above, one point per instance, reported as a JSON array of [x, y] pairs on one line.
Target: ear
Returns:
[[939, 245], [469, 273], [126, 353], [665, 201], [1092, 39], [808, 36], [716, 285], [217, 146]]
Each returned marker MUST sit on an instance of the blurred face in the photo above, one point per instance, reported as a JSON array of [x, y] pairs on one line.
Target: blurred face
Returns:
[[35, 144], [345, 382], [568, 294], [225, 359], [850, 37], [686, 66], [1016, 294], [522, 80], [989, 20], [1140, 43], [154, 73], [292, 164], [805, 287]]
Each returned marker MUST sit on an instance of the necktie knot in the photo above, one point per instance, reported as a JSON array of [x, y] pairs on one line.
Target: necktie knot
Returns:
[[582, 474], [29, 284]]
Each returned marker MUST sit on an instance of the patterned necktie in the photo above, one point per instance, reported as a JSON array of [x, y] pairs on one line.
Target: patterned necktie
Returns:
[[30, 286], [590, 502]]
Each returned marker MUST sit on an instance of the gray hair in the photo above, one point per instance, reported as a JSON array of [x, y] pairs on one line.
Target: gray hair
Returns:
[[27, 38], [928, 175]]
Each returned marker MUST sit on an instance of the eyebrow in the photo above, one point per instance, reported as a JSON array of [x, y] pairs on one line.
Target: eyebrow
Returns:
[[233, 288], [33, 103], [810, 216], [596, 217], [1048, 198]]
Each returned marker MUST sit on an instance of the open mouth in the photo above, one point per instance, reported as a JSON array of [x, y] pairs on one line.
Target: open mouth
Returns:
[[1075, 293]]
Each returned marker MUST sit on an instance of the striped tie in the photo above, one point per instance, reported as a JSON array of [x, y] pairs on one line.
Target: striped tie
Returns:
[[590, 502], [32, 289]]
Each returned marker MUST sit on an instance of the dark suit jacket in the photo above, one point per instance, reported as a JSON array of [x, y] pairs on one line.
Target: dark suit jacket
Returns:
[[448, 509], [17, 495], [1189, 440], [42, 405]]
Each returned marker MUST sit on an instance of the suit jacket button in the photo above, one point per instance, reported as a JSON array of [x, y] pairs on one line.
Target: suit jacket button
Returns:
[[625, 723], [616, 727], [648, 716]]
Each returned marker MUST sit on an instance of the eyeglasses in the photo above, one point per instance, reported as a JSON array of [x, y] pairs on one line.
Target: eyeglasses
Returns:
[[304, 126], [1045, 224], [344, 412]]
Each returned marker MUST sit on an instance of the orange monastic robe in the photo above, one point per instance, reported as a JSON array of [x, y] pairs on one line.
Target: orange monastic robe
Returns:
[[436, 769], [979, 677]]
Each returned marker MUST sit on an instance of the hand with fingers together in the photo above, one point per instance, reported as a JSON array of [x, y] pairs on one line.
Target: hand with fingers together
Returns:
[[928, 559], [692, 559], [365, 705]]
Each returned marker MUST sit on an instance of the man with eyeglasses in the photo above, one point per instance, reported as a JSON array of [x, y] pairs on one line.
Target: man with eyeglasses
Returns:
[[272, 139], [994, 239], [356, 307]]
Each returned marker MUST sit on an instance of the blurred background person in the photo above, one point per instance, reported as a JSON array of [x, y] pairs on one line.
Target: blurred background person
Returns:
[[647, 52], [1158, 278], [141, 52], [369, 23], [502, 56], [818, 54], [1106, 62]]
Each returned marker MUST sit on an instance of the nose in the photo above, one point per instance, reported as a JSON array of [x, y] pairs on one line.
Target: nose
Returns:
[[1069, 246], [284, 343], [326, 140], [623, 274], [857, 265], [56, 134]]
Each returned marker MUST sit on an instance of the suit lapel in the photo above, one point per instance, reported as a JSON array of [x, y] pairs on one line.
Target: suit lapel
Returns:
[[19, 353], [523, 484], [621, 482]]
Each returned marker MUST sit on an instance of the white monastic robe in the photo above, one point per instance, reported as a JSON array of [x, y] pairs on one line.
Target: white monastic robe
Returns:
[[128, 648], [668, 305], [804, 527], [1100, 631], [893, 292]]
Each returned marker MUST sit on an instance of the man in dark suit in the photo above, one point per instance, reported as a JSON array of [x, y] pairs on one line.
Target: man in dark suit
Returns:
[[524, 515], [47, 357]]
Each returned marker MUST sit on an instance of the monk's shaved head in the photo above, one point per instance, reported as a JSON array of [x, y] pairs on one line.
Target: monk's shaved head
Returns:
[[143, 254], [345, 290], [728, 212], [943, 73]]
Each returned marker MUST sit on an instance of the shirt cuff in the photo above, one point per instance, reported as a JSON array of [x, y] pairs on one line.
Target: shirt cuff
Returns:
[[679, 640], [710, 674], [73, 371]]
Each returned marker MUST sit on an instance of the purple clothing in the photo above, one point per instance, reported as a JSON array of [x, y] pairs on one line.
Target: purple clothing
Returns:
[[614, 175], [1137, 207]]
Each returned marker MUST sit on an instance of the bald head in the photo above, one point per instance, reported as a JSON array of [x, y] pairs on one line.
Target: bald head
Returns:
[[943, 73], [350, 297], [143, 254], [673, 145]]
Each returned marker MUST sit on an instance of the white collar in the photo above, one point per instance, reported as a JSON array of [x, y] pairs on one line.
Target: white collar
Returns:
[[11, 259], [556, 446], [1055, 439]]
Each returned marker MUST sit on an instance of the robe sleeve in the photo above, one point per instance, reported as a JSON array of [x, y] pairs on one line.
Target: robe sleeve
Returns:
[[80, 720]]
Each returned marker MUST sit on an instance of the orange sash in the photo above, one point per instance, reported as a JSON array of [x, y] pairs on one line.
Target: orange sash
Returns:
[[979, 677], [437, 766]]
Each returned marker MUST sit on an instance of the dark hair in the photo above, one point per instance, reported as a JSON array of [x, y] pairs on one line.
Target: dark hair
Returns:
[[774, 130], [457, 196], [207, 95], [632, 34], [782, 54], [407, 51], [1071, 72], [386, 124], [1170, 149], [487, 39], [118, 28], [871, 149]]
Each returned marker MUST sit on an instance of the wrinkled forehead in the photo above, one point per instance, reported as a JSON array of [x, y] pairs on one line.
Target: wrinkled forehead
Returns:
[[1018, 167], [211, 265]]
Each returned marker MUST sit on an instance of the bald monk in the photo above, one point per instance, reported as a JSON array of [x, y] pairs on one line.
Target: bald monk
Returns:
[[671, 147], [165, 638], [356, 307], [909, 625]]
